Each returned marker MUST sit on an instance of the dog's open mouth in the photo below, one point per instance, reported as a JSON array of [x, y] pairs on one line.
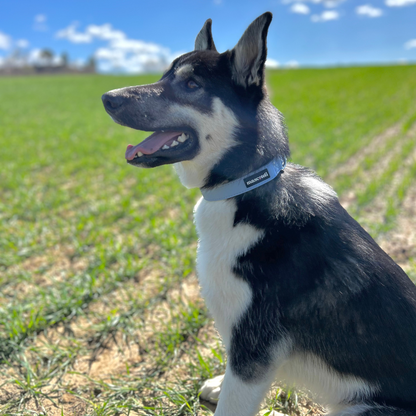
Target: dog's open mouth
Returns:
[[160, 140], [161, 147]]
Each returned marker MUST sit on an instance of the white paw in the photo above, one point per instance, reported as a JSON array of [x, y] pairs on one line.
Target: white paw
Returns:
[[210, 390]]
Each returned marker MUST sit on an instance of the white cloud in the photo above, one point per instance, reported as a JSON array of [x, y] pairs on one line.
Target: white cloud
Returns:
[[410, 44], [292, 64], [120, 54], [399, 3], [22, 43], [368, 10], [300, 8], [40, 18], [133, 56], [272, 63], [92, 32], [105, 32], [5, 41], [70, 33], [325, 16], [40, 23]]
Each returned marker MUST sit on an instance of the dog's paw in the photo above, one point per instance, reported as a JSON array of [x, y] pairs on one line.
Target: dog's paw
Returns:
[[210, 390]]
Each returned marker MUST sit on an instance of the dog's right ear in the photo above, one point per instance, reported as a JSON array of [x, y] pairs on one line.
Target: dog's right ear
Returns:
[[204, 40], [250, 53]]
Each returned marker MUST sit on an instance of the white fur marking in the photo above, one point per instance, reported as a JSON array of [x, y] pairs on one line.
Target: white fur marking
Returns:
[[330, 388], [220, 125], [226, 295], [184, 70], [238, 398], [210, 390]]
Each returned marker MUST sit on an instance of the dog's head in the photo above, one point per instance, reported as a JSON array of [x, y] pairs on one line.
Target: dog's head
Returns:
[[208, 112]]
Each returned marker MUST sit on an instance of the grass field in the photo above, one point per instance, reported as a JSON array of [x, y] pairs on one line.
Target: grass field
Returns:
[[99, 307]]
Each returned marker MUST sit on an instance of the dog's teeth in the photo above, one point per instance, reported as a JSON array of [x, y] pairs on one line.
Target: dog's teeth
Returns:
[[174, 143], [165, 147], [182, 138], [139, 154]]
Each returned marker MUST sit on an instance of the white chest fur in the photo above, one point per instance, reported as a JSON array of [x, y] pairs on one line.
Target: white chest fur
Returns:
[[220, 243]]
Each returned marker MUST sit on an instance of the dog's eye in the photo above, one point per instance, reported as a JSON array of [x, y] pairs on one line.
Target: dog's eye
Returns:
[[192, 84]]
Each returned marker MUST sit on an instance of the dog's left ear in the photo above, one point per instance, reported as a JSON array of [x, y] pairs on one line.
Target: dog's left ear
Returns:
[[249, 55], [204, 40]]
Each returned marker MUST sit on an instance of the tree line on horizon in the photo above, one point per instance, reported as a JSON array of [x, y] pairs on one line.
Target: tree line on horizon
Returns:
[[43, 61]]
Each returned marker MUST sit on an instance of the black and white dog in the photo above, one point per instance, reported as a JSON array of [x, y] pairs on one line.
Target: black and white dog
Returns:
[[298, 290]]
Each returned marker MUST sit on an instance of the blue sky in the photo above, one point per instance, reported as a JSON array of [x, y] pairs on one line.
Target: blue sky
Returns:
[[132, 36]]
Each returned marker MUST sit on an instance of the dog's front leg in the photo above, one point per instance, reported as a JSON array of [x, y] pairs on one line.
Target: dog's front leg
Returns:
[[240, 397], [257, 347]]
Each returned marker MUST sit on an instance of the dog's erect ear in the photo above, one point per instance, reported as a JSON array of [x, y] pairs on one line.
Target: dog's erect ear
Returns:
[[204, 40], [249, 55]]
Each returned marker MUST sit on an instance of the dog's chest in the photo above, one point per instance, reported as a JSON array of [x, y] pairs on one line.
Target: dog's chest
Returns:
[[220, 243]]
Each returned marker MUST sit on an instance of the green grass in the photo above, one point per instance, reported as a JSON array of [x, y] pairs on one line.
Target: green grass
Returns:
[[99, 312], [332, 113]]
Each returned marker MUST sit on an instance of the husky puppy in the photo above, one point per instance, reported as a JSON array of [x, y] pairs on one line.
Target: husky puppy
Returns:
[[298, 290]]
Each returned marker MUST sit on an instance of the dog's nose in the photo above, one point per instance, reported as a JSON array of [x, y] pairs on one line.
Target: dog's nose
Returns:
[[112, 102]]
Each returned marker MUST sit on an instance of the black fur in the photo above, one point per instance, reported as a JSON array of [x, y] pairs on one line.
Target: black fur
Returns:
[[386, 411], [318, 276]]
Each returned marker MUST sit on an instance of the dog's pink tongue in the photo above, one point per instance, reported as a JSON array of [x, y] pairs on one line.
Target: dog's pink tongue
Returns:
[[152, 144]]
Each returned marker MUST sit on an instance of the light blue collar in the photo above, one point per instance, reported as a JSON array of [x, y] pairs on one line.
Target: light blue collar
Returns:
[[248, 182]]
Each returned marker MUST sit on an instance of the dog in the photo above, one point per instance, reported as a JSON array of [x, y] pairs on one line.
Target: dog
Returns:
[[299, 291]]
